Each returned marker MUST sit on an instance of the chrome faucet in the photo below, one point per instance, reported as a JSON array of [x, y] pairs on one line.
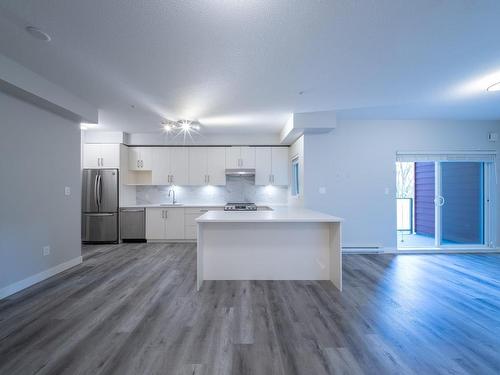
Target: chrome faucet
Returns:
[[172, 191]]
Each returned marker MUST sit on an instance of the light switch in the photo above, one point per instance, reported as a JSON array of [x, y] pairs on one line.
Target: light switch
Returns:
[[67, 190], [322, 190], [386, 191]]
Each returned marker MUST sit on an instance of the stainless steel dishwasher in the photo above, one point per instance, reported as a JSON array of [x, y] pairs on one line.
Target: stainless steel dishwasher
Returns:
[[132, 224]]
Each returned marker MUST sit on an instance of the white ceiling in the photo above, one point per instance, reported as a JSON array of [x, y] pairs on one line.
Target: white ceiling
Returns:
[[240, 65]]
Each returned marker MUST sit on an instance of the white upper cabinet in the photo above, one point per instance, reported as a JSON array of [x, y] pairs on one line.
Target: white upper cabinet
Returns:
[[101, 156], [233, 157], [263, 169], [279, 165], [139, 159], [240, 157], [271, 166], [168, 165], [247, 157], [179, 159], [197, 166], [160, 166], [207, 166], [216, 165]]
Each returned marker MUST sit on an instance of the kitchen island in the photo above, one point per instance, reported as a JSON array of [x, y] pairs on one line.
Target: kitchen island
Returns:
[[283, 244]]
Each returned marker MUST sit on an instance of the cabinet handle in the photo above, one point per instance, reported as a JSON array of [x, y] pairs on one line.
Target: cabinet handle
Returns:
[[272, 178], [166, 214], [98, 162], [162, 214], [102, 162], [203, 210], [208, 178], [171, 178]]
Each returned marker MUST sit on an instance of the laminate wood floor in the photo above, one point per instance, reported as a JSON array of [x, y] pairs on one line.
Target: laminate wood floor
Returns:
[[133, 309]]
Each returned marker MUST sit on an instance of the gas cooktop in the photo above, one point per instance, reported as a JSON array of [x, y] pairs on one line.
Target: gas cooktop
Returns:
[[244, 206]]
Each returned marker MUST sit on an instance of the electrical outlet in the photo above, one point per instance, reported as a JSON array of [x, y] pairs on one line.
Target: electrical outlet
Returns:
[[322, 190], [67, 190], [45, 250]]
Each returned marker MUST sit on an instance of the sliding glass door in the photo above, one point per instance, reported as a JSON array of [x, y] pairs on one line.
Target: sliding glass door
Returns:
[[451, 205], [461, 203]]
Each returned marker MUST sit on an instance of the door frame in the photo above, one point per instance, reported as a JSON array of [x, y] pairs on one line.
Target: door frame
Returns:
[[489, 189]]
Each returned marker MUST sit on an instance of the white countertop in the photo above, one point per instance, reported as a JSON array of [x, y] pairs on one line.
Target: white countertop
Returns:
[[168, 205], [187, 205], [279, 214]]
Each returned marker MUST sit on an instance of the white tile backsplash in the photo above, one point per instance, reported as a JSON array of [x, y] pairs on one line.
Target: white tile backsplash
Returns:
[[237, 189]]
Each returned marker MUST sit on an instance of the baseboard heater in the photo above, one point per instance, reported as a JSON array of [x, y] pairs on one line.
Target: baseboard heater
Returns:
[[363, 249]]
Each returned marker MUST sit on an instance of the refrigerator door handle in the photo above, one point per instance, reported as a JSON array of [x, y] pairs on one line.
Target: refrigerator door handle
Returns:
[[99, 214], [99, 190], [95, 191]]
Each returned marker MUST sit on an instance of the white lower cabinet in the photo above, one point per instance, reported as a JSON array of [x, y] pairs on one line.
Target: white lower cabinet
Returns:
[[165, 223], [191, 214], [174, 223]]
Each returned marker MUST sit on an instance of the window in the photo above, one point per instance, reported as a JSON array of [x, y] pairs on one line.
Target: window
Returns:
[[295, 176]]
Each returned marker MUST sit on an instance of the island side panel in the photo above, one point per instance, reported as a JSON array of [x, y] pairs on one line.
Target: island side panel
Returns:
[[336, 254], [199, 257], [265, 251]]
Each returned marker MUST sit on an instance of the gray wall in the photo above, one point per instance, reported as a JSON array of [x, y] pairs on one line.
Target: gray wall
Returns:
[[356, 164], [40, 155]]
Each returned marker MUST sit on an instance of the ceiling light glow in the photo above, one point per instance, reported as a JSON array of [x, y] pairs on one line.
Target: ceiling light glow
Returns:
[[489, 82], [88, 125], [36, 33], [181, 126], [494, 87]]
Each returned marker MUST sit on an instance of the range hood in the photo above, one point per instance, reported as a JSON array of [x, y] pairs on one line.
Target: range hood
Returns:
[[240, 172]]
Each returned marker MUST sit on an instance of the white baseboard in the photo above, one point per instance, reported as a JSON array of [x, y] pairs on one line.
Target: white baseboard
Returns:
[[392, 250], [25, 283]]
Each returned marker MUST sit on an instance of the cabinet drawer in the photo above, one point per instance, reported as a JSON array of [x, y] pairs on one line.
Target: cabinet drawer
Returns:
[[197, 210]]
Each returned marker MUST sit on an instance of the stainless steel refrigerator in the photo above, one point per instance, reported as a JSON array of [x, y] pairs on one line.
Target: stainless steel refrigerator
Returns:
[[100, 205]]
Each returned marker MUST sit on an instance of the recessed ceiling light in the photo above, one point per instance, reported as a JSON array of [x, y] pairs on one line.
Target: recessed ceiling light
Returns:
[[494, 87], [35, 32]]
